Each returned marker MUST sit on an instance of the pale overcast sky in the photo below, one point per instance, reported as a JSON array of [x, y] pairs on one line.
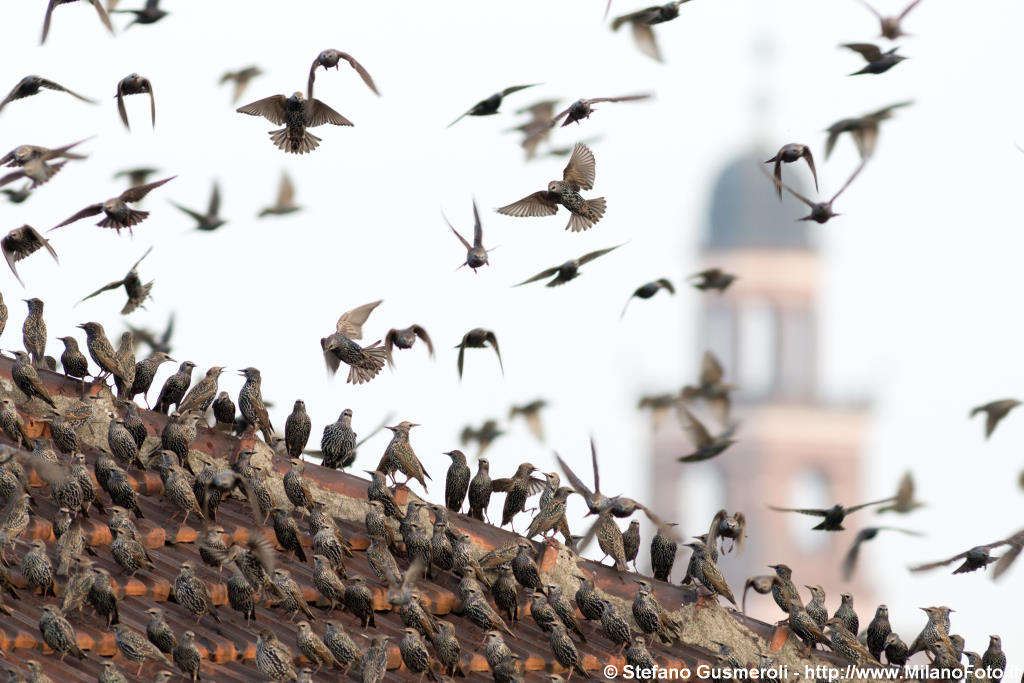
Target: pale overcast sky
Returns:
[[919, 278]]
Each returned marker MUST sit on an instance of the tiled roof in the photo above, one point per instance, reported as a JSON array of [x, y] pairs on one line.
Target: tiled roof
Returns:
[[229, 648]]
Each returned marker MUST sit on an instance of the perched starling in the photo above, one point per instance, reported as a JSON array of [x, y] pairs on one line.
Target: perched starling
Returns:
[[490, 105], [615, 627], [495, 651], [340, 644], [378, 490], [414, 652], [122, 444], [241, 80], [116, 212], [783, 591], [292, 600], [373, 664], [38, 570], [120, 490], [517, 488], [31, 85], [480, 490], [134, 646], [159, 631], [803, 625], [240, 596], [447, 647], [476, 608], [506, 593], [313, 647], [994, 659], [441, 547], [891, 24], [878, 632], [609, 538], [296, 114], [641, 22], [567, 271], [129, 553], [631, 542], [638, 656], [145, 371], [187, 656], [179, 492], [287, 533], [137, 291], [846, 614], [648, 290], [456, 481], [273, 658], [21, 243], [296, 434], [13, 425], [510, 670], [399, 456], [339, 442], [174, 388], [326, 581], [331, 58], [878, 62], [201, 395], [364, 363], [551, 516], [565, 652], [833, 516], [712, 278], [251, 405], [476, 254], [58, 633], [845, 644], [111, 674], [285, 201], [564, 610], [210, 220], [866, 534], [816, 607], [863, 130], [578, 175], [381, 561], [707, 572], [33, 332], [359, 601], [192, 593], [587, 599], [936, 629]]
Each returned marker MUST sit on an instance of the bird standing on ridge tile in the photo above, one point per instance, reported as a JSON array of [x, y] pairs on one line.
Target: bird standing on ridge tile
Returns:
[[456, 481], [364, 363], [490, 106], [33, 331], [399, 456], [174, 388], [134, 84], [296, 429], [296, 114], [145, 372], [251, 405], [27, 380], [201, 395]]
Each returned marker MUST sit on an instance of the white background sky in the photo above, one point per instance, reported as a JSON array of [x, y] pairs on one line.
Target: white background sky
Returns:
[[918, 301]]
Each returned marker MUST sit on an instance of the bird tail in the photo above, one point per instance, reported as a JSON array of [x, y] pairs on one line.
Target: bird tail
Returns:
[[134, 218], [307, 143], [372, 362], [590, 213]]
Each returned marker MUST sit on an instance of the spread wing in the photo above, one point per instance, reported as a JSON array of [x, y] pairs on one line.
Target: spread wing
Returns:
[[1016, 542], [814, 512], [422, 334], [539, 276], [854, 508], [389, 343], [711, 371], [493, 340], [869, 52], [849, 180], [91, 210], [120, 108], [643, 36], [780, 184], [285, 191], [593, 462], [103, 15], [580, 170], [214, 208], [318, 113], [558, 117], [576, 482], [462, 239], [872, 9], [537, 204], [46, 83], [363, 73], [940, 563], [697, 432], [478, 228], [104, 288], [587, 258], [623, 98], [350, 324], [135, 194], [270, 108]]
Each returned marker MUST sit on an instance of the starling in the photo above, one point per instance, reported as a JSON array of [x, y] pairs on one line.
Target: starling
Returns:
[[490, 106], [863, 130], [120, 490], [441, 550], [564, 610], [378, 490], [707, 572], [804, 627], [382, 562], [134, 646], [292, 600], [517, 488], [374, 662], [480, 490], [128, 553], [58, 633], [552, 515], [609, 538], [27, 379], [641, 22], [538, 128], [525, 569], [340, 644], [145, 371], [994, 660], [638, 656], [296, 114], [313, 647], [447, 647], [364, 363], [567, 271], [414, 652], [201, 395], [936, 629], [251, 405], [578, 175], [816, 607], [552, 482], [783, 591], [124, 358], [404, 339], [134, 84], [631, 542], [531, 413], [193, 594], [174, 389], [476, 254], [223, 412], [484, 436], [833, 516], [496, 651], [179, 491], [241, 80], [846, 614], [878, 62], [845, 644], [706, 446], [904, 501], [326, 582], [273, 658], [659, 405], [878, 632], [359, 601], [187, 656], [111, 674], [616, 629], [476, 608], [712, 278], [117, 215], [12, 424], [891, 25], [287, 533], [137, 292], [339, 442], [240, 598], [506, 593], [149, 14], [285, 201], [210, 220], [399, 456], [331, 58], [587, 599], [159, 631], [651, 618], [565, 652], [70, 546], [31, 85], [866, 534], [583, 108], [510, 670], [3, 314], [136, 176], [122, 444], [21, 243], [789, 154], [38, 570], [648, 290], [821, 212], [19, 196], [724, 525], [478, 338], [296, 432], [895, 650], [456, 481], [995, 411]]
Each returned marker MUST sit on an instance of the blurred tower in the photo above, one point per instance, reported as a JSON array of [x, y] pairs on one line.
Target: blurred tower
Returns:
[[796, 448]]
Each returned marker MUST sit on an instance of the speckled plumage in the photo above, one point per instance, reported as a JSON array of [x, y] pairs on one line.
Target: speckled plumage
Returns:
[[338, 442]]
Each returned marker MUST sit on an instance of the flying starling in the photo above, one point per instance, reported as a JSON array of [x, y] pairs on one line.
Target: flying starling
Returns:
[[149, 14], [517, 489], [476, 254], [707, 447], [878, 62], [98, 4], [538, 128], [285, 202], [32, 162], [296, 114], [583, 108], [531, 413], [978, 557], [404, 339], [251, 405], [490, 105], [904, 501], [641, 22], [712, 278], [116, 212], [995, 411], [134, 84], [480, 490], [724, 525], [478, 338], [210, 220], [567, 271], [711, 388], [241, 80], [137, 291], [457, 481], [646, 291], [890, 25], [484, 436], [578, 175], [789, 154], [364, 363], [27, 380], [833, 516], [866, 534], [273, 658], [31, 85], [863, 130], [821, 212], [331, 58]]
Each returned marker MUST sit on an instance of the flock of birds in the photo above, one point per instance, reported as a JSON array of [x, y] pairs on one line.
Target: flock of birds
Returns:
[[398, 535]]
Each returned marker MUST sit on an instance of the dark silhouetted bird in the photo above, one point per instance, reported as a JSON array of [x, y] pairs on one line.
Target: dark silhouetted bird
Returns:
[[567, 271], [241, 80], [877, 632], [578, 175], [296, 114], [583, 108], [174, 388], [31, 85], [211, 220], [642, 20], [480, 490], [863, 129], [404, 339], [711, 388], [833, 516], [285, 202], [978, 557], [32, 160], [878, 62], [456, 481], [134, 84], [478, 338], [866, 534], [149, 14], [646, 291], [712, 278], [489, 106], [531, 413], [995, 411], [98, 4], [821, 212], [332, 58], [904, 501], [789, 154], [890, 25], [364, 363], [133, 285], [116, 212], [476, 254], [483, 437], [706, 446]]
